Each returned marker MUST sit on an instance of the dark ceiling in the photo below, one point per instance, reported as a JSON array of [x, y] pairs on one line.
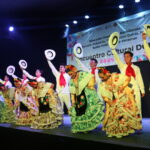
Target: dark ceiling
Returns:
[[56, 13], [48, 8]]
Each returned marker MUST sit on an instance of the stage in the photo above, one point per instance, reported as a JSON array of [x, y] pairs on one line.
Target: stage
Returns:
[[62, 137]]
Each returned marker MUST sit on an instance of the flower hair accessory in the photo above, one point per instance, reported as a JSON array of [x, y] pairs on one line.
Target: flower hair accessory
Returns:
[[102, 70], [70, 68]]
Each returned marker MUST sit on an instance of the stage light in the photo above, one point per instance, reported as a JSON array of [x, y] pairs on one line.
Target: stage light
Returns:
[[11, 28], [66, 25], [87, 17], [75, 22], [121, 6], [137, 1]]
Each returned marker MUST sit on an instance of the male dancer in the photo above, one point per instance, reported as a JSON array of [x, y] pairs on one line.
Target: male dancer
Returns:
[[6, 82], [24, 80], [38, 75], [133, 71], [62, 82]]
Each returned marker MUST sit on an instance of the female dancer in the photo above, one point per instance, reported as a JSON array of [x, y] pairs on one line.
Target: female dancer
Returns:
[[122, 115], [87, 109]]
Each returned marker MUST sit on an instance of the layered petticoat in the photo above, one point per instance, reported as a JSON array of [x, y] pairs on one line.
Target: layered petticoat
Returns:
[[23, 115], [122, 121], [50, 116]]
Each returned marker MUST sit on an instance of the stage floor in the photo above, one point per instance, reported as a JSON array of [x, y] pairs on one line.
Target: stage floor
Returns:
[[135, 140]]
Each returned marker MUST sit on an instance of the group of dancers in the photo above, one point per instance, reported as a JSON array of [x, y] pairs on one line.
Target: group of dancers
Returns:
[[92, 96]]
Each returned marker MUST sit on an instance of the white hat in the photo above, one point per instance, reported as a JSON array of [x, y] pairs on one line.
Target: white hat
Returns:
[[113, 40], [78, 50], [23, 64], [50, 54], [147, 29], [10, 70]]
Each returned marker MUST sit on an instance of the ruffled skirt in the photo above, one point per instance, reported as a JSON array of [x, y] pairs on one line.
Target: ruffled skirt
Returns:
[[122, 121], [93, 115], [7, 114], [51, 119]]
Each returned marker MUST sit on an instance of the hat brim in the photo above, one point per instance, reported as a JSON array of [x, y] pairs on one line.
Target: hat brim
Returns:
[[50, 54], [23, 64], [113, 40], [10, 70]]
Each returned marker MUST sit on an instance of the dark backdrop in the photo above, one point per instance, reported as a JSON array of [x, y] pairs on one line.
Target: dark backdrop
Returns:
[[30, 45]]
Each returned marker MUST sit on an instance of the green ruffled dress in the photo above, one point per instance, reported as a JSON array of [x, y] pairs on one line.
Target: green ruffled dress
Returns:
[[87, 114], [7, 114]]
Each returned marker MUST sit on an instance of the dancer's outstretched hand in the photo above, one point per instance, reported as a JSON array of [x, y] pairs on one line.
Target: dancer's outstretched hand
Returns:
[[144, 36]]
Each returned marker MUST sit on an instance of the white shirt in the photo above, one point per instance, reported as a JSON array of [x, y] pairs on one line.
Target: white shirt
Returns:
[[56, 73], [24, 81], [147, 49], [38, 79], [7, 84], [122, 67]]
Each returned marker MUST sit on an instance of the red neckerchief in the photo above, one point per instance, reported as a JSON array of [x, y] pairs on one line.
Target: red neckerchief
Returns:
[[93, 71], [62, 81], [5, 83], [130, 71]]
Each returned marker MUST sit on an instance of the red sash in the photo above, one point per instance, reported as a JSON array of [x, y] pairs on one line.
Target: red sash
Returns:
[[5, 83]]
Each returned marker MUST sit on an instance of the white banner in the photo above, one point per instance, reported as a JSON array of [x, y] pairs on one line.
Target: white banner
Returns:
[[95, 40]]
